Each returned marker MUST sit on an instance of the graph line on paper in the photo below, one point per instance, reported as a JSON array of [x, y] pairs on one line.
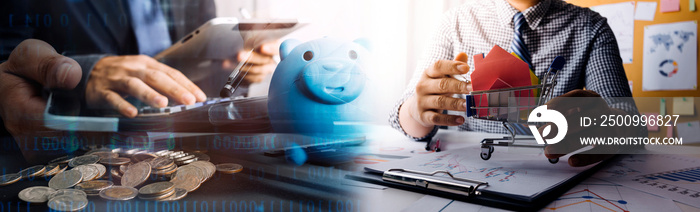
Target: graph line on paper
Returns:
[[591, 195], [452, 163]]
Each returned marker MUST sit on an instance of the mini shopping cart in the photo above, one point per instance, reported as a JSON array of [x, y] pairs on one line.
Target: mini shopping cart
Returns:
[[508, 105]]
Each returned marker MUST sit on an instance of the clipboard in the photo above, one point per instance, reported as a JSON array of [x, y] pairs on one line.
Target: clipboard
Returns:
[[469, 190]]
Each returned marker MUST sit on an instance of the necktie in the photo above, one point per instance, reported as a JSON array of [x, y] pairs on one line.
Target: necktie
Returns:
[[149, 26], [518, 45]]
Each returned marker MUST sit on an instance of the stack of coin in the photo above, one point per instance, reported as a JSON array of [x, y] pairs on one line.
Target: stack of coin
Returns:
[[119, 193], [177, 174], [157, 191], [180, 157], [162, 166], [68, 201], [229, 168]]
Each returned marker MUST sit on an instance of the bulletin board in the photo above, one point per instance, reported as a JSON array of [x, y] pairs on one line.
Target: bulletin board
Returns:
[[634, 69], [649, 101]]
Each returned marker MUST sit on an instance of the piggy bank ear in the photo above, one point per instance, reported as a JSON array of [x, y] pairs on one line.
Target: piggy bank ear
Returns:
[[287, 46], [364, 42]]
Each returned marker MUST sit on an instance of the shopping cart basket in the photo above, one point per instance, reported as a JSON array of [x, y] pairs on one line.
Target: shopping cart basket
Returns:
[[508, 105]]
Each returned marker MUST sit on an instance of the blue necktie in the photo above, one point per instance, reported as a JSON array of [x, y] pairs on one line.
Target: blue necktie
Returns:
[[149, 26], [518, 45]]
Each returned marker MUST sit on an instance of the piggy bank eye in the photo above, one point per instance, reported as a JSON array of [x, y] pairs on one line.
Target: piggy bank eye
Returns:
[[308, 55], [352, 54]]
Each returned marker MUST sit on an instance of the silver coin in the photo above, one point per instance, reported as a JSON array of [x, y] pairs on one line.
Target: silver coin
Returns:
[[136, 174], [119, 193], [184, 158], [68, 203], [32, 171], [94, 187], [188, 177], [100, 168], [66, 179], [156, 188], [9, 179], [83, 160], [67, 192], [89, 172], [142, 156], [178, 195], [36, 194], [208, 166], [52, 169]]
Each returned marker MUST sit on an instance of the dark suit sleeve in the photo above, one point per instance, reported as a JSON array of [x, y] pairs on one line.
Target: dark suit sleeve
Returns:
[[87, 62]]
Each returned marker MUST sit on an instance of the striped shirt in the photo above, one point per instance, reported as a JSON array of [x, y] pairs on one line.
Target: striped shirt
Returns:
[[556, 28]]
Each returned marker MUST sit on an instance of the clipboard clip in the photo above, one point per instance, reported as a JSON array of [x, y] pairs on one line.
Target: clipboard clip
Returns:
[[410, 177]]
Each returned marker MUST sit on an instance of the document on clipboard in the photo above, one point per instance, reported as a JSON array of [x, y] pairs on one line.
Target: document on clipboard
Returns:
[[515, 181]]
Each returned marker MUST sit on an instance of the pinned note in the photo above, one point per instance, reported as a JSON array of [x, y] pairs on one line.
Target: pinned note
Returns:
[[670, 6], [684, 106], [689, 131], [692, 5], [652, 127], [645, 11], [662, 107]]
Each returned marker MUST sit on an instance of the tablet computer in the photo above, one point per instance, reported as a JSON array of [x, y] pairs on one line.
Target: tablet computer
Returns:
[[209, 54]]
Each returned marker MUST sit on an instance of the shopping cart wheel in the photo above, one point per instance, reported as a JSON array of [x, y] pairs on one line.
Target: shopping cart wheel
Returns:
[[491, 148], [553, 160], [486, 152]]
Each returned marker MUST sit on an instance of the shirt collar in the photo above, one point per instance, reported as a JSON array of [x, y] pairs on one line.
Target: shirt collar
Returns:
[[533, 15]]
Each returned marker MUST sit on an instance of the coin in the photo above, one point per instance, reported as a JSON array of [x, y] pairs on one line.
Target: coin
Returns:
[[64, 159], [94, 187], [208, 166], [119, 193], [36, 194], [100, 168], [105, 155], [156, 188], [89, 172], [178, 195], [229, 168], [188, 177], [32, 171], [136, 174], [115, 161], [68, 203], [66, 179], [9, 179], [159, 196], [142, 156], [115, 173], [161, 162], [61, 192], [82, 160], [52, 169]]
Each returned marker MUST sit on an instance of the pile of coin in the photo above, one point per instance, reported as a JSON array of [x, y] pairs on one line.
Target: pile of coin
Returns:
[[168, 175]]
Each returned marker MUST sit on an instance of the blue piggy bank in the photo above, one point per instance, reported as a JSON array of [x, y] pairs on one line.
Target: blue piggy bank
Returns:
[[319, 86]]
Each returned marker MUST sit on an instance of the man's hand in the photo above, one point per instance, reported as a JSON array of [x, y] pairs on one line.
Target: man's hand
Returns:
[[259, 64], [142, 77], [421, 112], [32, 65], [584, 103]]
